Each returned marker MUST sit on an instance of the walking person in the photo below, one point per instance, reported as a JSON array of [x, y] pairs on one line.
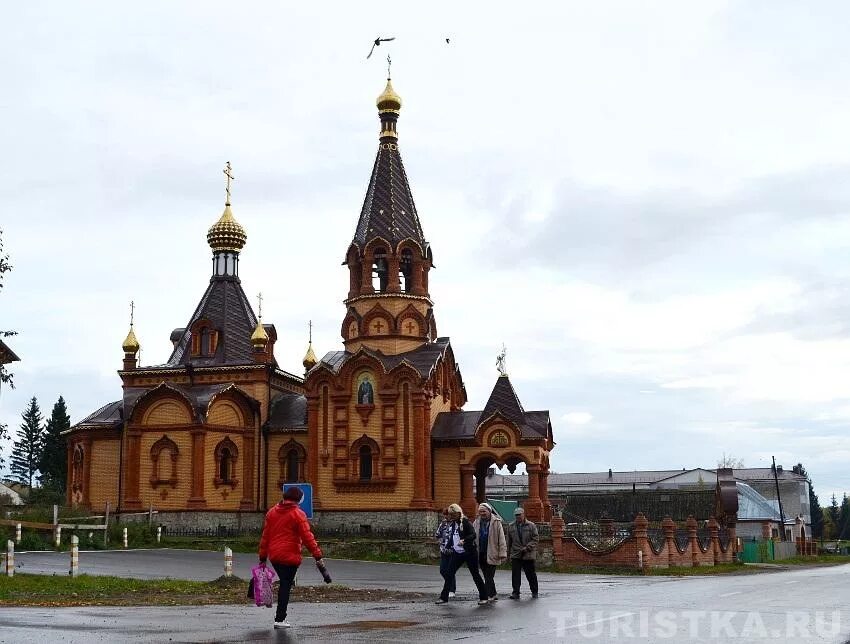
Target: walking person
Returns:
[[522, 549], [464, 551], [443, 537], [284, 532], [492, 546]]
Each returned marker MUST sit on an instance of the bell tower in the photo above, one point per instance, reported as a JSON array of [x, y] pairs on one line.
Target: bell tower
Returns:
[[389, 308]]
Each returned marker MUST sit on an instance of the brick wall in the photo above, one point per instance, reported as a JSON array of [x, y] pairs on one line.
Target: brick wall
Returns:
[[103, 482]]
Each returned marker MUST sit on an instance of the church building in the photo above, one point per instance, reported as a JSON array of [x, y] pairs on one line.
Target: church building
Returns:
[[376, 427]]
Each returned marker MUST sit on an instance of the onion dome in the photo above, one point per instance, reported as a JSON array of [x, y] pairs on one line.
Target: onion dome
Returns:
[[131, 344], [226, 234], [389, 101], [309, 360], [259, 338]]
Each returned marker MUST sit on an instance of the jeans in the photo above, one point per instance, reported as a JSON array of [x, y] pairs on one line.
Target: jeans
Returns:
[[527, 566], [445, 562], [489, 572], [458, 559], [286, 574]]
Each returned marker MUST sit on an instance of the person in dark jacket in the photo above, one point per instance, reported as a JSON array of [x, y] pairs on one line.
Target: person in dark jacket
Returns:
[[284, 532], [522, 538], [464, 551], [443, 535]]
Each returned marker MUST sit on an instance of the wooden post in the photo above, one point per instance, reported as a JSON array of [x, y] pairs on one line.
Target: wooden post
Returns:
[[57, 536], [18, 534], [150, 516], [158, 533], [10, 558], [75, 556], [55, 514], [125, 537], [106, 525]]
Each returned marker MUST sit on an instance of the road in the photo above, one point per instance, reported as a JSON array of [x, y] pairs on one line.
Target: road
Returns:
[[801, 605]]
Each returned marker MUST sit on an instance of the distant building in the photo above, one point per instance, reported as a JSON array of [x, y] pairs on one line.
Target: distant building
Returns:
[[7, 491]]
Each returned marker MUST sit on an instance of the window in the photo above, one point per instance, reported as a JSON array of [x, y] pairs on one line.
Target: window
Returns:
[[365, 463], [405, 270], [77, 472], [226, 457], [292, 466], [164, 462]]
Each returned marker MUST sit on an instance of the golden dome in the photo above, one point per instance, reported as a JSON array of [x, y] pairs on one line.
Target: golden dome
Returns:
[[226, 234], [259, 338], [389, 101], [309, 358], [131, 344]]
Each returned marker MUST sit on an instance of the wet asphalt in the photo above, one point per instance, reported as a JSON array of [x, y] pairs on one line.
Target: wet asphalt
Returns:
[[801, 605]]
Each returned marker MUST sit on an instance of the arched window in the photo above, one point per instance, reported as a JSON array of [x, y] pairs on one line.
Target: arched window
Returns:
[[380, 270], [405, 270], [164, 462], [77, 472], [226, 457], [292, 466], [365, 453]]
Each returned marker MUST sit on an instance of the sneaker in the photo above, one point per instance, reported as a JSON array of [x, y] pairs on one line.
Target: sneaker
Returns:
[[483, 602], [283, 624], [494, 598], [442, 601], [514, 595], [451, 594], [534, 595]]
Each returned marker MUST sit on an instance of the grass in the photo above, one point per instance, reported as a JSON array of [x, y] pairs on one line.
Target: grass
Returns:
[[85, 590], [819, 559]]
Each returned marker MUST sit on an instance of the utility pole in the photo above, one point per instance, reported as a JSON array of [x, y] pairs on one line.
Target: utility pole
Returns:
[[779, 498]]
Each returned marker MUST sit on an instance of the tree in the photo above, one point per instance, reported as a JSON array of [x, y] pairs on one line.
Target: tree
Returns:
[[729, 460], [27, 449], [814, 503], [844, 519], [53, 464], [5, 376], [831, 518]]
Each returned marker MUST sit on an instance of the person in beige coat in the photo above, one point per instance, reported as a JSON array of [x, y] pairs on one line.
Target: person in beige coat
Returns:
[[492, 546]]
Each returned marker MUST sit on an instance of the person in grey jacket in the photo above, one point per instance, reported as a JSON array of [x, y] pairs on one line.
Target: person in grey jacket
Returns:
[[522, 540], [492, 546]]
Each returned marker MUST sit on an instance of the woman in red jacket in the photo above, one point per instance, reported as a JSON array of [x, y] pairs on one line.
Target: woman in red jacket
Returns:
[[285, 530]]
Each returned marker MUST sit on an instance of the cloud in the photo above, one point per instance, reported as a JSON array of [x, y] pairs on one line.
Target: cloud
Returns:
[[577, 417]]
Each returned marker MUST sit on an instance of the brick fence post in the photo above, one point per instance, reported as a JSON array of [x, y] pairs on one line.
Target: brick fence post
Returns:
[[692, 538], [714, 531], [640, 526], [669, 528], [558, 539]]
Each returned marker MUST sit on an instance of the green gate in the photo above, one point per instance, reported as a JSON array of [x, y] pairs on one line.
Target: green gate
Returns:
[[757, 552]]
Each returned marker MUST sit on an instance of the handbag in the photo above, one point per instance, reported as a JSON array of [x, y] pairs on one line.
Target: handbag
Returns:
[[261, 585]]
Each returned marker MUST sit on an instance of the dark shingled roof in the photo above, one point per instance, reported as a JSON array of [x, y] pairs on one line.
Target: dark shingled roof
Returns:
[[422, 358], [288, 410], [462, 425], [503, 399], [388, 210], [6, 354], [224, 304], [109, 415]]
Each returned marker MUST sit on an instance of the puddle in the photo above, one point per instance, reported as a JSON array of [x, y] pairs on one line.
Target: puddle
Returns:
[[371, 624]]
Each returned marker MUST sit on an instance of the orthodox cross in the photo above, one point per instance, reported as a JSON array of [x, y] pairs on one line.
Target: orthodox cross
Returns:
[[411, 327], [378, 326], [389, 66], [260, 305], [228, 172], [132, 311], [310, 331], [500, 362]]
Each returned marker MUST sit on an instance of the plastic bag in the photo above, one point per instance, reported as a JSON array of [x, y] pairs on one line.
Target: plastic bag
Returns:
[[262, 576]]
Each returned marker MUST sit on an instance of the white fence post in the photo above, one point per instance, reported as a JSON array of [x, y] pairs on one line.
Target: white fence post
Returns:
[[125, 537], [640, 559], [75, 556], [158, 533], [18, 534], [57, 536], [228, 562], [10, 558]]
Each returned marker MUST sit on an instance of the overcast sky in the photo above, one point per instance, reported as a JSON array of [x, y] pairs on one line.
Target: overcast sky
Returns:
[[646, 202]]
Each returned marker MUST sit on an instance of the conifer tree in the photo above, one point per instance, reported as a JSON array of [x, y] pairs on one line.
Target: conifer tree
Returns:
[[27, 449], [844, 518], [53, 463], [832, 516]]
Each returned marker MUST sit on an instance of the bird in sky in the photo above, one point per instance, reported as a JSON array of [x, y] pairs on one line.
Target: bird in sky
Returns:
[[377, 43]]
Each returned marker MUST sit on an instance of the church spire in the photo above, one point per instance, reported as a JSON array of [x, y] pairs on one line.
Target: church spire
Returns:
[[131, 345]]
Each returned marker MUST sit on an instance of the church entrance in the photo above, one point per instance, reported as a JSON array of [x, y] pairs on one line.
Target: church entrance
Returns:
[[534, 497]]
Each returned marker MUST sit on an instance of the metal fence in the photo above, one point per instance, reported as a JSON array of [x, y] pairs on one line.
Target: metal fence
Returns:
[[596, 538], [227, 532]]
